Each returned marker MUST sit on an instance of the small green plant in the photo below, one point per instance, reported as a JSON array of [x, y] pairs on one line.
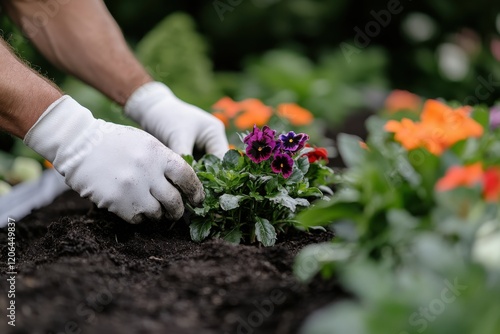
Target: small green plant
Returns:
[[254, 195]]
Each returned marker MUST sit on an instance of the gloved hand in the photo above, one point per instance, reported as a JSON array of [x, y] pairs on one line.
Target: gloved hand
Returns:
[[176, 123], [120, 168]]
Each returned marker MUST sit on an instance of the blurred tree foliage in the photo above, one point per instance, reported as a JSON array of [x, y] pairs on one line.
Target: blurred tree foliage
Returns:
[[175, 54], [238, 30]]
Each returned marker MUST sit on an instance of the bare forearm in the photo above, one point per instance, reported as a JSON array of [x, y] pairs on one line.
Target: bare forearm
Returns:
[[83, 39], [24, 95]]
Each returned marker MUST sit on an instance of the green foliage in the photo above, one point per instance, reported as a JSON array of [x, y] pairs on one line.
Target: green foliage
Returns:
[[387, 177], [415, 258], [247, 202], [175, 54]]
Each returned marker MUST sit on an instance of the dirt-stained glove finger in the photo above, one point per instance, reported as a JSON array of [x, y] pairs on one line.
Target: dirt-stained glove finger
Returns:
[[183, 176], [170, 199]]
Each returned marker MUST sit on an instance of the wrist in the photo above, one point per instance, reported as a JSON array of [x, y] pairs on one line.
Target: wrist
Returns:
[[122, 96], [56, 133]]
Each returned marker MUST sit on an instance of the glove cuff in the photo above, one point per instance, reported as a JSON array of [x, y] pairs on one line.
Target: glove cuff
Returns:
[[58, 129], [144, 98]]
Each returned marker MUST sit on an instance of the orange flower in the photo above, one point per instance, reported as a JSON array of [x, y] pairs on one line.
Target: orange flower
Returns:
[[458, 176], [47, 164], [295, 114], [402, 100], [491, 180], [254, 113], [408, 133], [440, 127], [226, 109], [227, 106], [221, 116]]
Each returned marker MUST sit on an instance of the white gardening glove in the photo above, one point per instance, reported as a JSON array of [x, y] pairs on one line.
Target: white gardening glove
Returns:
[[120, 168], [175, 123]]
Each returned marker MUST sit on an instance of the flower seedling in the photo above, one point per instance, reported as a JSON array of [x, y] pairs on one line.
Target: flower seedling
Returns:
[[254, 195]]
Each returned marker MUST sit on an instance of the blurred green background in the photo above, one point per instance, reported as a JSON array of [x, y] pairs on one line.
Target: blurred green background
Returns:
[[335, 58]]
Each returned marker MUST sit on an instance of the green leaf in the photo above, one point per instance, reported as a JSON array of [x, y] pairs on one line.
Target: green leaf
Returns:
[[284, 199], [201, 211], [210, 159], [189, 159], [303, 164], [302, 202], [350, 150], [265, 232], [233, 236], [229, 202], [258, 197], [313, 258], [296, 176], [232, 160], [312, 192], [272, 186], [482, 116], [327, 212], [207, 176], [200, 230], [264, 180], [407, 171]]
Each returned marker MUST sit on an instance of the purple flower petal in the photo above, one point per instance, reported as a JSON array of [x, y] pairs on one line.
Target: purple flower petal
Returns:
[[302, 143], [291, 141], [278, 146], [268, 132], [251, 134], [260, 144], [282, 164]]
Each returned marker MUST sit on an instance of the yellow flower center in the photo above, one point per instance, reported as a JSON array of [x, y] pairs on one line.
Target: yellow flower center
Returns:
[[281, 165], [259, 149], [291, 140]]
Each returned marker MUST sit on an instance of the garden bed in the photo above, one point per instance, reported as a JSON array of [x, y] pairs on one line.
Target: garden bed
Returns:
[[82, 270]]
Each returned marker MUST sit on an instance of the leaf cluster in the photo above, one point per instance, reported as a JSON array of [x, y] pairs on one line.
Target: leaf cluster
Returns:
[[247, 202]]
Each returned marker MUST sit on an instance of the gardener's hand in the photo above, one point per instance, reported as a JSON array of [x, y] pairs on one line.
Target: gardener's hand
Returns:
[[120, 168], [177, 124]]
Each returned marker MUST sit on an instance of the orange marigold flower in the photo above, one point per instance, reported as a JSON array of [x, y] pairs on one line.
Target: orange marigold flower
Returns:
[[254, 113], [460, 176], [408, 133], [223, 117], [447, 126], [227, 107], [439, 128], [295, 114], [491, 180], [402, 100]]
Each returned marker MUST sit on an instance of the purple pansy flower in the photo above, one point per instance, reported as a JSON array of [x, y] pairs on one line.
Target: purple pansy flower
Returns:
[[291, 141], [283, 164], [260, 144], [302, 142]]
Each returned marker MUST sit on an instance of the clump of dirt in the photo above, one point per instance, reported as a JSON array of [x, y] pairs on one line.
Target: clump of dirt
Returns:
[[82, 270]]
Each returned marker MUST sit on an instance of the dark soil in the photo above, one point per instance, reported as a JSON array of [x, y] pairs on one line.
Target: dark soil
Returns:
[[82, 270]]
